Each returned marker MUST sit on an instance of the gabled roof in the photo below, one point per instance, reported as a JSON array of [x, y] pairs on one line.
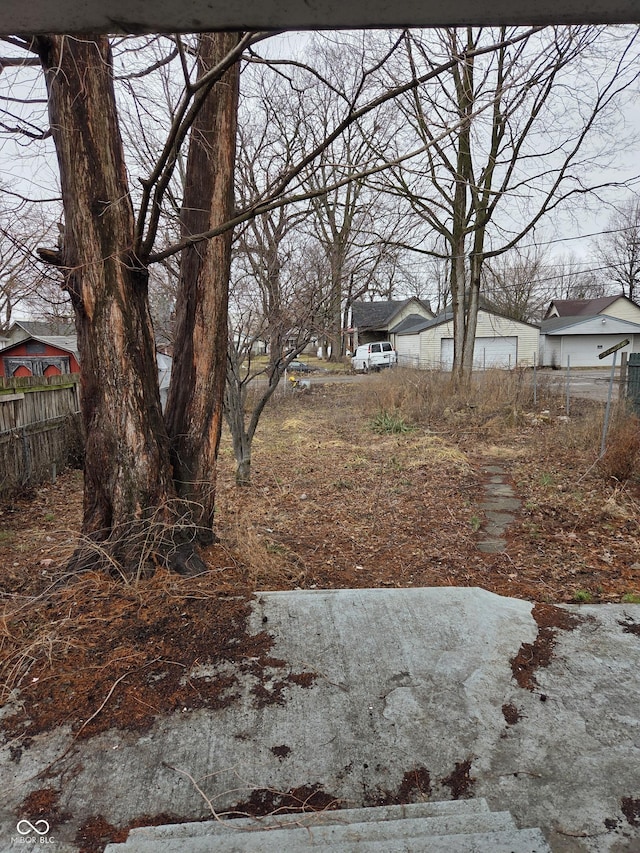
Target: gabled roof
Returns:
[[379, 314], [552, 324], [447, 315], [582, 307], [68, 343], [38, 328]]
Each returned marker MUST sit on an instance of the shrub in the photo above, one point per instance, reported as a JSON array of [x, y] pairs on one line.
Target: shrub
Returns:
[[621, 460]]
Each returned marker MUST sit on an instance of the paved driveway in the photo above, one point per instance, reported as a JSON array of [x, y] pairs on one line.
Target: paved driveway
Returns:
[[585, 383]]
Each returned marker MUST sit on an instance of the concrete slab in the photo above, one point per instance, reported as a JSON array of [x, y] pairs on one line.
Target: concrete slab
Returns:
[[408, 683], [491, 545]]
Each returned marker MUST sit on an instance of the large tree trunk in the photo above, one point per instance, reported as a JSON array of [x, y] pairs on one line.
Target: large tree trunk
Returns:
[[194, 406], [127, 472]]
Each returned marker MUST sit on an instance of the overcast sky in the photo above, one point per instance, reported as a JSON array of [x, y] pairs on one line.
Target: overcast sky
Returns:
[[34, 175]]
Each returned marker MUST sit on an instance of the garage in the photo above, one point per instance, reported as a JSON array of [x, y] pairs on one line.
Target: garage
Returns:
[[487, 352], [583, 350], [580, 341]]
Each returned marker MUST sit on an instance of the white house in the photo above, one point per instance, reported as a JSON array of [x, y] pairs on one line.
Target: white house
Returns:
[[500, 342]]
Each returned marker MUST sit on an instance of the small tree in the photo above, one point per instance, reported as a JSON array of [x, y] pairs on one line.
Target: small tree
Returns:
[[275, 303], [244, 374]]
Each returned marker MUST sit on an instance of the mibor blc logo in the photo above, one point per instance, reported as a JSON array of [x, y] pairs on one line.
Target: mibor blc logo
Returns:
[[25, 827], [33, 833]]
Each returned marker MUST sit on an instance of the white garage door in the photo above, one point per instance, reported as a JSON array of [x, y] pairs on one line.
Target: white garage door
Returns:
[[487, 352], [583, 350], [408, 349]]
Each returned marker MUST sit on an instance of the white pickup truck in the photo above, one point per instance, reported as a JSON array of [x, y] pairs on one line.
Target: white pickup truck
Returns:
[[374, 356]]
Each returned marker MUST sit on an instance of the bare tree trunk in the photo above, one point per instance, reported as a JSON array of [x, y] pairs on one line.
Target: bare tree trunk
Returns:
[[334, 329], [127, 472], [464, 94], [194, 406], [457, 282], [234, 410], [471, 325]]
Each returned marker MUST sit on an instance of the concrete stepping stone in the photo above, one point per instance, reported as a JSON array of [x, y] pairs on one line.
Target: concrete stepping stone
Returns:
[[499, 505]]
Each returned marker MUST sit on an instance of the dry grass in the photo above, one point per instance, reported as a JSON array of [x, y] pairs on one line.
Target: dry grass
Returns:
[[621, 460], [495, 401], [337, 502]]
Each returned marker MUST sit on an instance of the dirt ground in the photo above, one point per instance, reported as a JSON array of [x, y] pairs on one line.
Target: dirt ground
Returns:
[[332, 504]]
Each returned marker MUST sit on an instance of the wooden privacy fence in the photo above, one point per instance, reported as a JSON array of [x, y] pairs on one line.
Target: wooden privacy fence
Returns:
[[39, 428]]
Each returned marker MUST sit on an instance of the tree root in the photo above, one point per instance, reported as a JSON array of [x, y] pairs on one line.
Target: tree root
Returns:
[[137, 549]]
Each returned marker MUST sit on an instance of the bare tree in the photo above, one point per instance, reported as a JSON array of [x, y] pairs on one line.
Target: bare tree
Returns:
[[194, 406], [514, 284], [131, 481], [619, 249], [286, 323], [23, 278], [356, 225], [526, 124], [567, 278], [273, 302]]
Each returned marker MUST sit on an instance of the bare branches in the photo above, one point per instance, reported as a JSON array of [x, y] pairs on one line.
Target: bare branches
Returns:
[[155, 186], [155, 66], [272, 199], [18, 62]]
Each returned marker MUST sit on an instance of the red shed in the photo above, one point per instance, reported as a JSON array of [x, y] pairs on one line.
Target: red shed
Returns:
[[41, 356]]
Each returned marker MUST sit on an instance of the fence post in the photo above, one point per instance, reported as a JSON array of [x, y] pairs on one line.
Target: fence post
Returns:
[[623, 375], [26, 454], [633, 381], [607, 411], [568, 381]]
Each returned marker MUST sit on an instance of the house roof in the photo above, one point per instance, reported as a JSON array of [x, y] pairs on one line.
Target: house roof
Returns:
[[556, 325], [430, 323], [582, 307], [408, 324], [68, 343], [38, 328], [378, 315], [447, 315]]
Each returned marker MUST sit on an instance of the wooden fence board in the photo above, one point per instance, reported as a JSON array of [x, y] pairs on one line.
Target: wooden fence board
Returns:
[[39, 427]]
